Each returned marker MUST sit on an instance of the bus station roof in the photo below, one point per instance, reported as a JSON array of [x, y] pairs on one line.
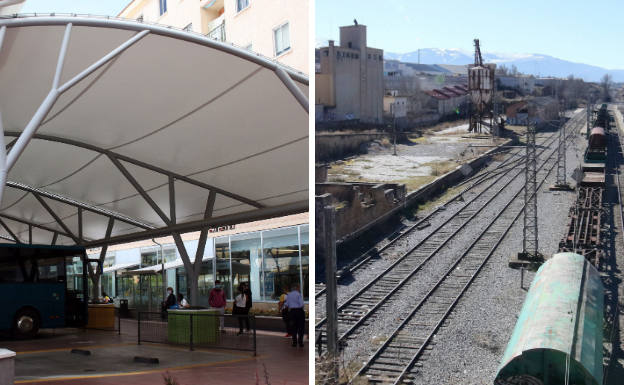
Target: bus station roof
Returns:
[[168, 132]]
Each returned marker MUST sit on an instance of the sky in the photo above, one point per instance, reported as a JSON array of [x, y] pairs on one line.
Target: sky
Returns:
[[587, 32], [93, 7]]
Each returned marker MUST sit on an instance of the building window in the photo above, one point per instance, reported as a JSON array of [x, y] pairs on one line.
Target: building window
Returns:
[[189, 27], [246, 261], [163, 6], [241, 4], [369, 56], [223, 264], [280, 261], [326, 52], [282, 39], [304, 244]]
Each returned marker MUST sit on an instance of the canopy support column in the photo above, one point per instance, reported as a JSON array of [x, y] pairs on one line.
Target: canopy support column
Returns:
[[193, 269], [292, 87], [8, 229], [95, 275]]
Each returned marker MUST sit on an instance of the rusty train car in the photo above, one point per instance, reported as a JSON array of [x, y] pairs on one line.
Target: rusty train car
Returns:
[[585, 219]]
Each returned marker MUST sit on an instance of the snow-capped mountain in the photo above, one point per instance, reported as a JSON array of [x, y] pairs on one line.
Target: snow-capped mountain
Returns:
[[532, 64]]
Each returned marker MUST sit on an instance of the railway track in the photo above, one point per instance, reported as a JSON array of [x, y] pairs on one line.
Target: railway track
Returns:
[[504, 167], [394, 360], [357, 310]]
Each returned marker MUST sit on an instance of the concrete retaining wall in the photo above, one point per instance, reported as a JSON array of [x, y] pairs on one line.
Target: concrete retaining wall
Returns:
[[7, 367], [336, 146]]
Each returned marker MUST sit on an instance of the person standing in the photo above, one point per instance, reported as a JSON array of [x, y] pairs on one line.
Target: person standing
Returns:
[[281, 306], [239, 308], [216, 300], [248, 302], [296, 315]]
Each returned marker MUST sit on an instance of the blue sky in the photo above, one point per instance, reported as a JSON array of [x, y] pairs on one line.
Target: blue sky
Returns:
[[94, 7], [588, 32]]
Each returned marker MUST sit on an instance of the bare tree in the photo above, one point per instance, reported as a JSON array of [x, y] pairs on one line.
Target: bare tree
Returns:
[[606, 83], [502, 70]]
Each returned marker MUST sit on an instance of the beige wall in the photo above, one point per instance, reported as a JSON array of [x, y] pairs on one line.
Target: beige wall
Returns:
[[253, 25], [400, 106]]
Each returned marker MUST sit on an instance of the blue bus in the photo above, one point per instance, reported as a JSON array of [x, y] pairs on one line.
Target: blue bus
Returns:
[[42, 287]]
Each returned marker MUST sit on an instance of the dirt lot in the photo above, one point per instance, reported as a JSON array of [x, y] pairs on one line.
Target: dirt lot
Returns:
[[421, 160]]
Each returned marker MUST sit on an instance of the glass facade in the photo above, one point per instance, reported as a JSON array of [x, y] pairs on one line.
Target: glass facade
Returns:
[[269, 260]]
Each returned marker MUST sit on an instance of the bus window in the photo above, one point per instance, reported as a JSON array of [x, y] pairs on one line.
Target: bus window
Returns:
[[10, 271], [75, 283], [51, 270]]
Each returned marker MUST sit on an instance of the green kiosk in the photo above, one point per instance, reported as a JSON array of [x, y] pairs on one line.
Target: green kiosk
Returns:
[[205, 326]]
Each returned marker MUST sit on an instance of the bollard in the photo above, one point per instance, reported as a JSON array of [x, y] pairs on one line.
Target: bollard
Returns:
[[139, 327], [191, 331], [254, 334]]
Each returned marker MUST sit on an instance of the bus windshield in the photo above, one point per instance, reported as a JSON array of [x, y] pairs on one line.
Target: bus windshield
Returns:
[[43, 286]]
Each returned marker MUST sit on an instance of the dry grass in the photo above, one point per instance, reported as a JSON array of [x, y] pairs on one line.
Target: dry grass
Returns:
[[339, 172], [439, 200], [445, 125], [441, 167], [418, 139], [416, 182]]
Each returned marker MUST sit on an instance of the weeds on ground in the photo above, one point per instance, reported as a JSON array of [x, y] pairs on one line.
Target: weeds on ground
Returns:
[[265, 375], [169, 379]]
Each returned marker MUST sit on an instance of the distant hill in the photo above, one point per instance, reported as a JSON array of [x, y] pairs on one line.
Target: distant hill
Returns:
[[531, 64]]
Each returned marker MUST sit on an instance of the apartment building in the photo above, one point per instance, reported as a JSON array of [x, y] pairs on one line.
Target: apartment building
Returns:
[[277, 29]]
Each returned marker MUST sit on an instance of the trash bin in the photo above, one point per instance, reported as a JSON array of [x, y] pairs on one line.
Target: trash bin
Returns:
[[123, 308]]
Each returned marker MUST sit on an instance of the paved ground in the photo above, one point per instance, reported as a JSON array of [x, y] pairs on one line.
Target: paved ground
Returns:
[[48, 360]]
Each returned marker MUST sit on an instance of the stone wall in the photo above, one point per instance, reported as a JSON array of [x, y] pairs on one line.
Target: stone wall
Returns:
[[357, 206]]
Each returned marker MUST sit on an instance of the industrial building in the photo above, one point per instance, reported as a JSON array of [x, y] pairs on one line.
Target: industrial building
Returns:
[[349, 80]]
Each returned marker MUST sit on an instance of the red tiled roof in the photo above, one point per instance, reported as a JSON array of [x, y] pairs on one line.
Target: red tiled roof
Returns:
[[437, 94]]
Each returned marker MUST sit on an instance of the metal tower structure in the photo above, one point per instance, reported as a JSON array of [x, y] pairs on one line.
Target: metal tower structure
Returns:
[[529, 232], [561, 183], [561, 156], [481, 88], [589, 109]]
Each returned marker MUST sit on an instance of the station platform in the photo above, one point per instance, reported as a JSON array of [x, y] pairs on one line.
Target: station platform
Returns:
[[48, 360]]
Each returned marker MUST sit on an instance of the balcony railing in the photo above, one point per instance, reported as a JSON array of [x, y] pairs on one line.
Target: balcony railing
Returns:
[[218, 33]]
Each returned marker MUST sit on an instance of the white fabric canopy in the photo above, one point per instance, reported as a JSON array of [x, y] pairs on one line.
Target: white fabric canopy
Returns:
[[174, 112]]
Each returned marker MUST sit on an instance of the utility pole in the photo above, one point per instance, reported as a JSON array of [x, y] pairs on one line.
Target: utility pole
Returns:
[[393, 113], [561, 184], [588, 119], [529, 231], [331, 302]]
